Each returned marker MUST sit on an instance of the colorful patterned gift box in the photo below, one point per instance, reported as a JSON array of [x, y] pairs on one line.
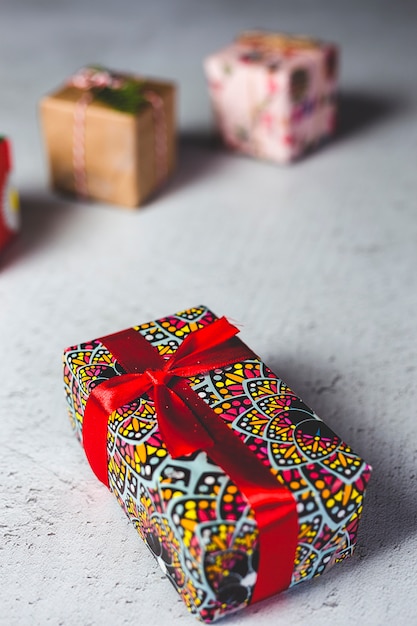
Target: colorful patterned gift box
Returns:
[[274, 95], [110, 136], [235, 485], [9, 203]]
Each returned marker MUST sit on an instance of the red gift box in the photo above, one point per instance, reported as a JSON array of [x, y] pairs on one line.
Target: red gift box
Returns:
[[9, 206]]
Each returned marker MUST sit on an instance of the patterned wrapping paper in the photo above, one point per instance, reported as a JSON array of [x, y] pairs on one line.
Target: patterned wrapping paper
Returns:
[[9, 203], [274, 96], [190, 514]]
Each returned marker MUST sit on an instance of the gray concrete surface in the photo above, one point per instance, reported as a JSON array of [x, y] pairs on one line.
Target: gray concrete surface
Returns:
[[317, 261]]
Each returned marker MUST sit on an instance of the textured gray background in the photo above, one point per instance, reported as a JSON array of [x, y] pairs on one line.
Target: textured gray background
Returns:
[[318, 261]]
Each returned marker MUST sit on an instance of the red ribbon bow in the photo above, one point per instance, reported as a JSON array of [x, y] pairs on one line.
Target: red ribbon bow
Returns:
[[187, 424]]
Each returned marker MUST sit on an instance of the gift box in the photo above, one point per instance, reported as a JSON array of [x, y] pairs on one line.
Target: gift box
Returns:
[[274, 95], [9, 202], [236, 486], [110, 136]]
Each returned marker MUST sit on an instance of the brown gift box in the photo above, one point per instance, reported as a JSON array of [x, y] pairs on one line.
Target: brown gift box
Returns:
[[121, 162]]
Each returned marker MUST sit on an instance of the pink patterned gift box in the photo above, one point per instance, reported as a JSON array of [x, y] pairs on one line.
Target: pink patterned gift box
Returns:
[[273, 95]]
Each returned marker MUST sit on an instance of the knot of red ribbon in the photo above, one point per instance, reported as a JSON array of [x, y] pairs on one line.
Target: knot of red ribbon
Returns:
[[157, 377], [187, 424]]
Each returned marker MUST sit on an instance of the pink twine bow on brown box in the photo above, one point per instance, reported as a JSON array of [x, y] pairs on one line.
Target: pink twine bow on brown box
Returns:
[[92, 81]]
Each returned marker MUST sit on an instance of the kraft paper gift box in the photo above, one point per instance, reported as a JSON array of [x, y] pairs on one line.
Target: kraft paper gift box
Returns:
[[9, 203], [274, 95], [110, 136], [235, 485]]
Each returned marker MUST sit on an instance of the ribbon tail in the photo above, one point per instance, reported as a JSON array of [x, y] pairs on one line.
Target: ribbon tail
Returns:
[[94, 436], [180, 430], [277, 519]]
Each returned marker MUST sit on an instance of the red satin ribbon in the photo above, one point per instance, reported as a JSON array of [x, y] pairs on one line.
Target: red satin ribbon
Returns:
[[187, 424]]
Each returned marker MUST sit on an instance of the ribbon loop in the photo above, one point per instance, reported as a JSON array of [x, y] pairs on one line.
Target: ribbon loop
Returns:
[[91, 77], [197, 345]]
